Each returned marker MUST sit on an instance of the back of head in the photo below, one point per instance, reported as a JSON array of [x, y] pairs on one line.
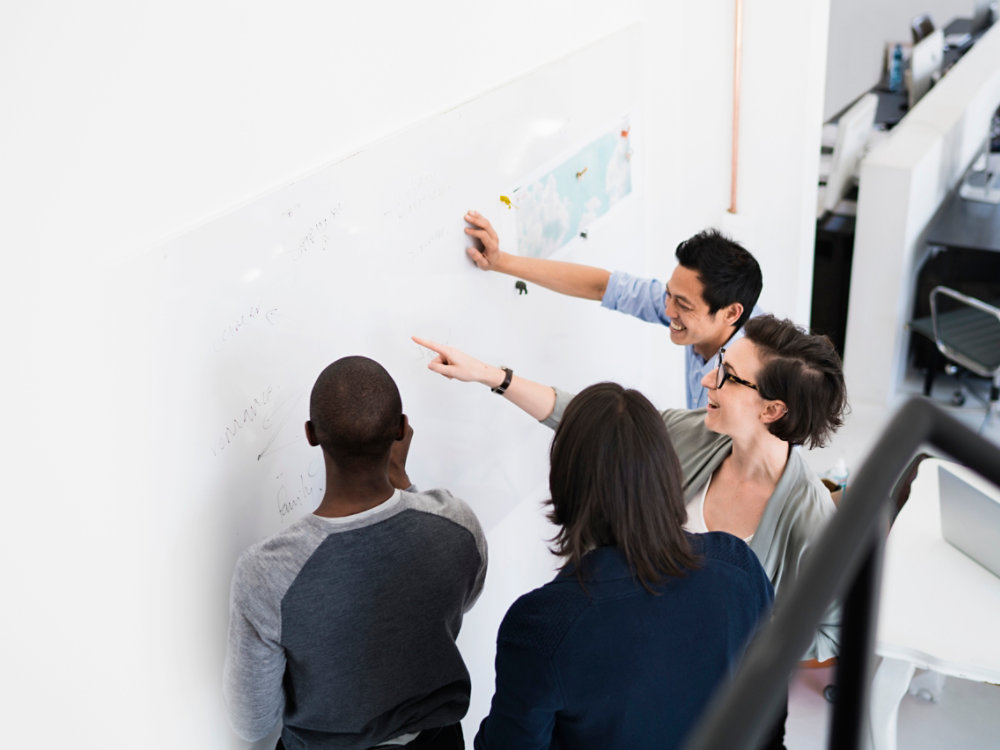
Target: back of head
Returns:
[[805, 372], [355, 410], [727, 270], [615, 480]]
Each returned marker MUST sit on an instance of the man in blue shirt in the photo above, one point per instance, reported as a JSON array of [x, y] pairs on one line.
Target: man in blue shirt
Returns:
[[710, 295]]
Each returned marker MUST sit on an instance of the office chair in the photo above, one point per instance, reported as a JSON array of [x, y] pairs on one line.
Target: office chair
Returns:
[[921, 26], [967, 334]]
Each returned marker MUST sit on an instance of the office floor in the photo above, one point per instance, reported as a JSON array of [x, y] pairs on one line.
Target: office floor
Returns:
[[967, 716]]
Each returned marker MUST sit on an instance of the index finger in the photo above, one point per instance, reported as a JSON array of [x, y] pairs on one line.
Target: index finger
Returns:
[[428, 344]]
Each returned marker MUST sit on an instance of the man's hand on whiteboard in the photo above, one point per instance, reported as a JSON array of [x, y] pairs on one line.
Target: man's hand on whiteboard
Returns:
[[487, 257], [574, 279], [397, 458], [534, 398]]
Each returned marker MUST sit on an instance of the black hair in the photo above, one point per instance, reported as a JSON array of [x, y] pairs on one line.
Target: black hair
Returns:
[[804, 371], [356, 410], [728, 272]]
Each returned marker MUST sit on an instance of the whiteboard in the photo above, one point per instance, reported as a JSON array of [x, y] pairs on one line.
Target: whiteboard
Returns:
[[222, 330]]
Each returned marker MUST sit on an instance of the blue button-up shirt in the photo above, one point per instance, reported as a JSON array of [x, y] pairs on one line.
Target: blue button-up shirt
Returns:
[[646, 299]]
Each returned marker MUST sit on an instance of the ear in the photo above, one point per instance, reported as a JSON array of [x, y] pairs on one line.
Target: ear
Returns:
[[732, 312], [773, 411], [311, 434], [401, 432]]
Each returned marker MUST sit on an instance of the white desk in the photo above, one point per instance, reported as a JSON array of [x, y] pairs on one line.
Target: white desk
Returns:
[[939, 610]]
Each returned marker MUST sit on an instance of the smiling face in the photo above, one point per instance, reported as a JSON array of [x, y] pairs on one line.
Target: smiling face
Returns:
[[691, 323], [736, 409]]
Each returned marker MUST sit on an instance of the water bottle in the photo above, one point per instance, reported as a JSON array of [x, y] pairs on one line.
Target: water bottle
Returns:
[[838, 475], [896, 69]]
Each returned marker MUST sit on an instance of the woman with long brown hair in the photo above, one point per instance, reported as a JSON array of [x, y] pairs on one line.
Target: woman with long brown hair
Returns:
[[624, 648]]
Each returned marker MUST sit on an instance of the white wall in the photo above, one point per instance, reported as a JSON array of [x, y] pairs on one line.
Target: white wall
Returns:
[[859, 30], [126, 122], [690, 102], [903, 182]]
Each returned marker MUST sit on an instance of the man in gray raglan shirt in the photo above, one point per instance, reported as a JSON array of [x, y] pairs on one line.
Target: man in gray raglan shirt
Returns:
[[343, 625]]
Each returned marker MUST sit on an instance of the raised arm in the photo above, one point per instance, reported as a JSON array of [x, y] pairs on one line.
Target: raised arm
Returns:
[[536, 399], [573, 279]]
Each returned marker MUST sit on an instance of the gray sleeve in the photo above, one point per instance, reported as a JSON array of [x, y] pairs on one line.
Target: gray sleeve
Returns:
[[480, 537], [562, 401], [442, 503], [255, 660]]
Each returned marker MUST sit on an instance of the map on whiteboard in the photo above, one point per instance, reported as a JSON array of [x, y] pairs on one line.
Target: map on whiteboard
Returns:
[[563, 202]]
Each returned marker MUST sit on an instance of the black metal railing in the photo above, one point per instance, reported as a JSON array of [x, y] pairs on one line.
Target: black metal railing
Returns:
[[844, 564]]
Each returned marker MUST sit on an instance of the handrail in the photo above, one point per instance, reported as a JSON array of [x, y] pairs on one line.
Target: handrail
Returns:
[[844, 564]]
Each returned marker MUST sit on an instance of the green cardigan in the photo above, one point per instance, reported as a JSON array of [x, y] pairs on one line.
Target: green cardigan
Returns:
[[794, 517]]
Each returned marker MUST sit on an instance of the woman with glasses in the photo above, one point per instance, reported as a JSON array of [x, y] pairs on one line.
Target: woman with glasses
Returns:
[[773, 390], [776, 388]]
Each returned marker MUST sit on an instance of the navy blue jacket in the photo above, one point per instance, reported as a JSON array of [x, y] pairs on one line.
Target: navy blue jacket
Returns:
[[614, 666]]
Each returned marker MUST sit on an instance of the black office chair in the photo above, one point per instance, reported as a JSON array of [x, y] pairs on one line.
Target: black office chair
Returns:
[[966, 331], [921, 26]]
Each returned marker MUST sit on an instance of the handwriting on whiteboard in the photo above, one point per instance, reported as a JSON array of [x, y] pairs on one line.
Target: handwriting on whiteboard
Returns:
[[255, 314], [305, 490], [318, 238], [246, 417], [418, 195], [421, 246]]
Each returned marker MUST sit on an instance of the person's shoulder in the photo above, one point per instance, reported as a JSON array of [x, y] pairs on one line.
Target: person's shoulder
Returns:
[[721, 548], [442, 504], [814, 502], [687, 429], [540, 619], [693, 419], [748, 579], [724, 547], [635, 295], [261, 563], [274, 544]]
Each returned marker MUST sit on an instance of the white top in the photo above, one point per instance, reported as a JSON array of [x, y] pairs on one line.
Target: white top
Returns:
[[696, 513]]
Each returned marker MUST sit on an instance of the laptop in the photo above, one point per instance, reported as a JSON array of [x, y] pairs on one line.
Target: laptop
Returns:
[[970, 518]]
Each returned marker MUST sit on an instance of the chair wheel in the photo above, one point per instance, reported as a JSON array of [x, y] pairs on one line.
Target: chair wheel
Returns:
[[830, 693], [958, 398]]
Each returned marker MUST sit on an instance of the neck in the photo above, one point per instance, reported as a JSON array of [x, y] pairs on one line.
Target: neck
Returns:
[[759, 456], [354, 491], [708, 349]]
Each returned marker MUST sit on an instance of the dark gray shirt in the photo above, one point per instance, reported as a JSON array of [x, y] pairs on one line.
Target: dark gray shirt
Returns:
[[345, 628]]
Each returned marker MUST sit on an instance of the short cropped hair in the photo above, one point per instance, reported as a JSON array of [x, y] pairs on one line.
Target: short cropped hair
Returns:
[[805, 372], [727, 270], [355, 409], [615, 480]]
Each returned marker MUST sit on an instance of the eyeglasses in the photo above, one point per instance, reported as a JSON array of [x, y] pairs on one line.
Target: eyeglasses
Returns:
[[722, 376]]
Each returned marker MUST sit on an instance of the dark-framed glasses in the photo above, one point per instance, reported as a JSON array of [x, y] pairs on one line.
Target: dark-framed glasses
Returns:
[[721, 376]]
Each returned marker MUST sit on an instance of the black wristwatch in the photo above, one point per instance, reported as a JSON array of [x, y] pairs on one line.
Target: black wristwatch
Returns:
[[508, 374]]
